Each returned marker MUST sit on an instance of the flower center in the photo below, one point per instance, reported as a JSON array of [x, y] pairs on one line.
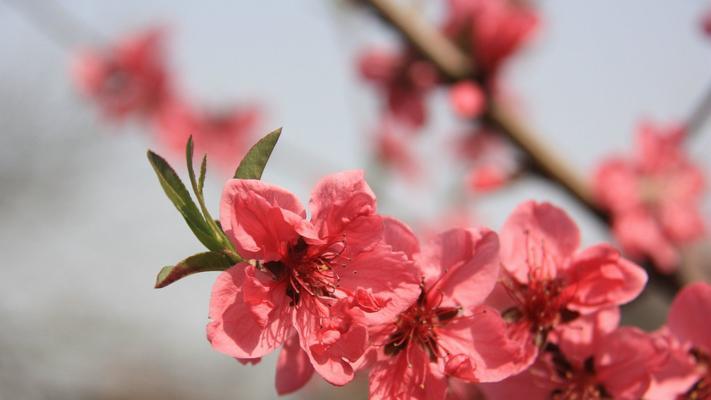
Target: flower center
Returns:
[[574, 383], [418, 325], [541, 304], [702, 387], [307, 273]]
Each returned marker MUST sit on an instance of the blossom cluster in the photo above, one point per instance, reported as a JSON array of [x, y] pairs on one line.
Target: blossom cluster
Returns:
[[131, 78], [524, 313], [491, 32], [654, 196]]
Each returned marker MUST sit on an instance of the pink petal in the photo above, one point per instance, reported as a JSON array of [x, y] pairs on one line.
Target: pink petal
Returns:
[[531, 384], [233, 328], [293, 367], [261, 219], [343, 207], [537, 235], [470, 266], [407, 376], [677, 374], [400, 237], [577, 339], [333, 341], [388, 280], [600, 277], [688, 315], [624, 362], [482, 337]]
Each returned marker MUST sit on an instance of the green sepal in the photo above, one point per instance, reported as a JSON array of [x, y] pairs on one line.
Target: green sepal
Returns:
[[202, 262]]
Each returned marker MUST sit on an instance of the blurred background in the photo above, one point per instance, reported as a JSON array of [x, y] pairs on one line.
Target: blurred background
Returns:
[[85, 227]]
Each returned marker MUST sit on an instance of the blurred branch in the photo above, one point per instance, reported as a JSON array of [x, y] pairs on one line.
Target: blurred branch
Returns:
[[53, 21], [700, 115], [454, 64]]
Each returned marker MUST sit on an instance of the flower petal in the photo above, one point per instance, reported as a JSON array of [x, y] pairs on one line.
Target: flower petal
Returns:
[[537, 235], [261, 219], [343, 206], [688, 315], [600, 277], [624, 361], [469, 260], [333, 341], [293, 367], [400, 237], [482, 337], [408, 375], [387, 279], [235, 327]]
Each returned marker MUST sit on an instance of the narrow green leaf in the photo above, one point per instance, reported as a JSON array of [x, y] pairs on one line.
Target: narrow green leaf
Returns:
[[216, 232], [253, 163], [203, 169], [202, 262], [180, 197]]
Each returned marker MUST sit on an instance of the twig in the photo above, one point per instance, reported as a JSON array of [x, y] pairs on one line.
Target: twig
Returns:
[[700, 115]]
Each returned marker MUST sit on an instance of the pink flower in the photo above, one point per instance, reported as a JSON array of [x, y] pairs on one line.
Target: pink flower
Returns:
[[446, 331], [547, 282], [404, 81], [467, 99], [130, 78], [654, 197], [224, 137], [493, 30], [592, 361], [324, 279], [688, 321]]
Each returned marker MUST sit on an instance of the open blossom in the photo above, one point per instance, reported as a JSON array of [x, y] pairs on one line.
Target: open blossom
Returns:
[[446, 332], [130, 78], [547, 282], [493, 30], [688, 323], [310, 285], [223, 136], [593, 360], [403, 80], [654, 196]]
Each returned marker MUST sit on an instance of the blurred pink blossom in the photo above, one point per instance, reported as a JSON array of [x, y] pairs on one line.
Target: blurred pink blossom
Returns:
[[126, 78], [654, 196]]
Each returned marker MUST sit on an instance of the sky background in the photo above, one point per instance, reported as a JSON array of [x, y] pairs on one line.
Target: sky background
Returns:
[[84, 225]]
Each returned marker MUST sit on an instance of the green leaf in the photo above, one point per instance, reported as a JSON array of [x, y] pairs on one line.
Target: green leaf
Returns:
[[203, 169], [217, 233], [179, 196], [253, 163], [202, 262]]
